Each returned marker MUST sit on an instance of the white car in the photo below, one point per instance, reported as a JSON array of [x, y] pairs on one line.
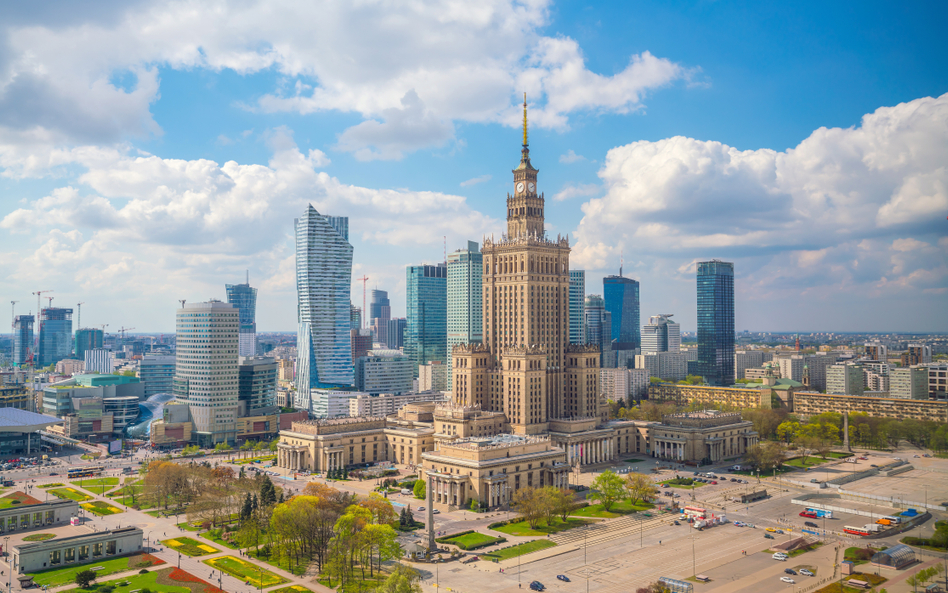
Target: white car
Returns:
[[806, 572], [787, 580], [779, 556]]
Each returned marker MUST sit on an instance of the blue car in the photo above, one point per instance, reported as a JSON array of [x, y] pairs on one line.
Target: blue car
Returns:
[[563, 578]]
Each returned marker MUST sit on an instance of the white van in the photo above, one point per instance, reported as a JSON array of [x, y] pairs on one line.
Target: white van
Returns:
[[406, 491], [780, 556]]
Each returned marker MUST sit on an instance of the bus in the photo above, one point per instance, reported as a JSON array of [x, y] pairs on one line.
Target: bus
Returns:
[[821, 513], [856, 530], [85, 472], [695, 512]]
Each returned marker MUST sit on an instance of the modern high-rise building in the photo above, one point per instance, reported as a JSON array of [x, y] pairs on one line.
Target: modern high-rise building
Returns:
[[433, 376], [244, 298], [750, 359], [396, 332], [323, 284], [877, 351], [380, 311], [384, 371], [916, 354], [845, 379], [256, 384], [157, 373], [99, 360], [426, 336], [355, 317], [661, 335], [465, 308], [22, 338], [577, 302], [361, 340], [716, 322], [670, 366], [55, 336], [599, 328], [621, 296], [205, 378], [87, 339]]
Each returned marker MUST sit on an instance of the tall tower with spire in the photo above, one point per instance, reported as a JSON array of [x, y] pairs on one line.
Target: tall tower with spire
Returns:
[[525, 206], [525, 368]]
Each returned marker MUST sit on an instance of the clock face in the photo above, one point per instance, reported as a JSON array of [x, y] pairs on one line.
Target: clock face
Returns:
[[519, 187], [531, 186]]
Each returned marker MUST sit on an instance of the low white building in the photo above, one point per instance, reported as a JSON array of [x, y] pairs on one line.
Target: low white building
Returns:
[[909, 382], [365, 405], [78, 549], [664, 365]]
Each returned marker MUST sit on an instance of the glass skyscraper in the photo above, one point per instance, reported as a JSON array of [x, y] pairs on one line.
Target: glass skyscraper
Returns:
[[244, 298], [22, 338], [621, 296], [465, 312], [426, 335], [323, 284], [380, 311], [396, 332], [599, 328], [577, 301], [55, 336], [661, 335], [716, 322], [87, 339]]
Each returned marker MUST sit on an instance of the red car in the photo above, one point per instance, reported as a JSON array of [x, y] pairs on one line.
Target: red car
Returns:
[[808, 515], [714, 483]]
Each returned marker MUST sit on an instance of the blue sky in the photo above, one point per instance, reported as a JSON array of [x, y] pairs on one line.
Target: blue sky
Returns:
[[151, 152]]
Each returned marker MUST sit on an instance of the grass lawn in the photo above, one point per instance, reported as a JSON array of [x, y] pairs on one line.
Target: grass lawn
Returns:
[[798, 462], [185, 526], [470, 540], [53, 485], [168, 580], [39, 537], [523, 528], [260, 459], [250, 573], [672, 484], [291, 589], [100, 508], [632, 460], [15, 499], [858, 555], [519, 550], [623, 507], [65, 576], [190, 547], [97, 485], [71, 494], [283, 563], [353, 586], [812, 547]]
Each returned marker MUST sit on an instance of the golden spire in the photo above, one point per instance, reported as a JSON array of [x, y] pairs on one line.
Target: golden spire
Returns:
[[524, 119]]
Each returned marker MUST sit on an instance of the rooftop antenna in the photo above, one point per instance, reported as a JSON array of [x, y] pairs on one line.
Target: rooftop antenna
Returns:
[[363, 280], [621, 261], [445, 239], [79, 315], [182, 301], [248, 277], [13, 314]]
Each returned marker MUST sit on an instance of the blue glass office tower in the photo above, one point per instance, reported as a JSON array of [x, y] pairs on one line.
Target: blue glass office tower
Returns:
[[380, 311], [577, 300], [426, 334], [87, 339], [323, 284], [244, 299], [621, 295], [55, 336], [716, 322], [22, 338]]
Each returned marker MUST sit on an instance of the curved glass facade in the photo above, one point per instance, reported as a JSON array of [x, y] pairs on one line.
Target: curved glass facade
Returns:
[[621, 295], [716, 322]]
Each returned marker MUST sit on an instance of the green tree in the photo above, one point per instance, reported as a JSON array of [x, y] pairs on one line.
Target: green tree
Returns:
[[402, 579], [419, 489], [247, 509], [787, 431], [608, 488], [221, 447], [85, 578], [267, 492]]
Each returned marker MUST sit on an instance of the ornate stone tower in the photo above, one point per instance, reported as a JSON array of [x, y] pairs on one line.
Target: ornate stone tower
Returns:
[[525, 206]]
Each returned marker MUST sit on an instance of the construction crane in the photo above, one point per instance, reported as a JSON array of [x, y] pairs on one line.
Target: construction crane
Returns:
[[13, 314], [39, 308], [79, 315], [363, 280], [49, 305], [122, 331]]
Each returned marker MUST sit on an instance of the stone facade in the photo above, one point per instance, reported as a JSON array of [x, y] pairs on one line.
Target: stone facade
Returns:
[[809, 403], [709, 395], [708, 436], [78, 549], [489, 470], [55, 512], [320, 445]]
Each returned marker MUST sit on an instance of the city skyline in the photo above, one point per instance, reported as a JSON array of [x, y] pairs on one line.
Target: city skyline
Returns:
[[663, 138]]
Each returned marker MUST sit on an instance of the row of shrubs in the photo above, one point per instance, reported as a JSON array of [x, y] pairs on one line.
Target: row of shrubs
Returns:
[[924, 541], [576, 506]]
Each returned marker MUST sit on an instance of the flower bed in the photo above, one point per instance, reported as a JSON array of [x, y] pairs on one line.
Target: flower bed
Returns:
[[71, 494], [470, 540], [100, 508], [39, 537], [248, 572], [16, 498], [190, 547]]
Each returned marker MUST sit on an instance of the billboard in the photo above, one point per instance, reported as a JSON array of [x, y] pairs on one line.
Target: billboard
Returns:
[[115, 447]]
